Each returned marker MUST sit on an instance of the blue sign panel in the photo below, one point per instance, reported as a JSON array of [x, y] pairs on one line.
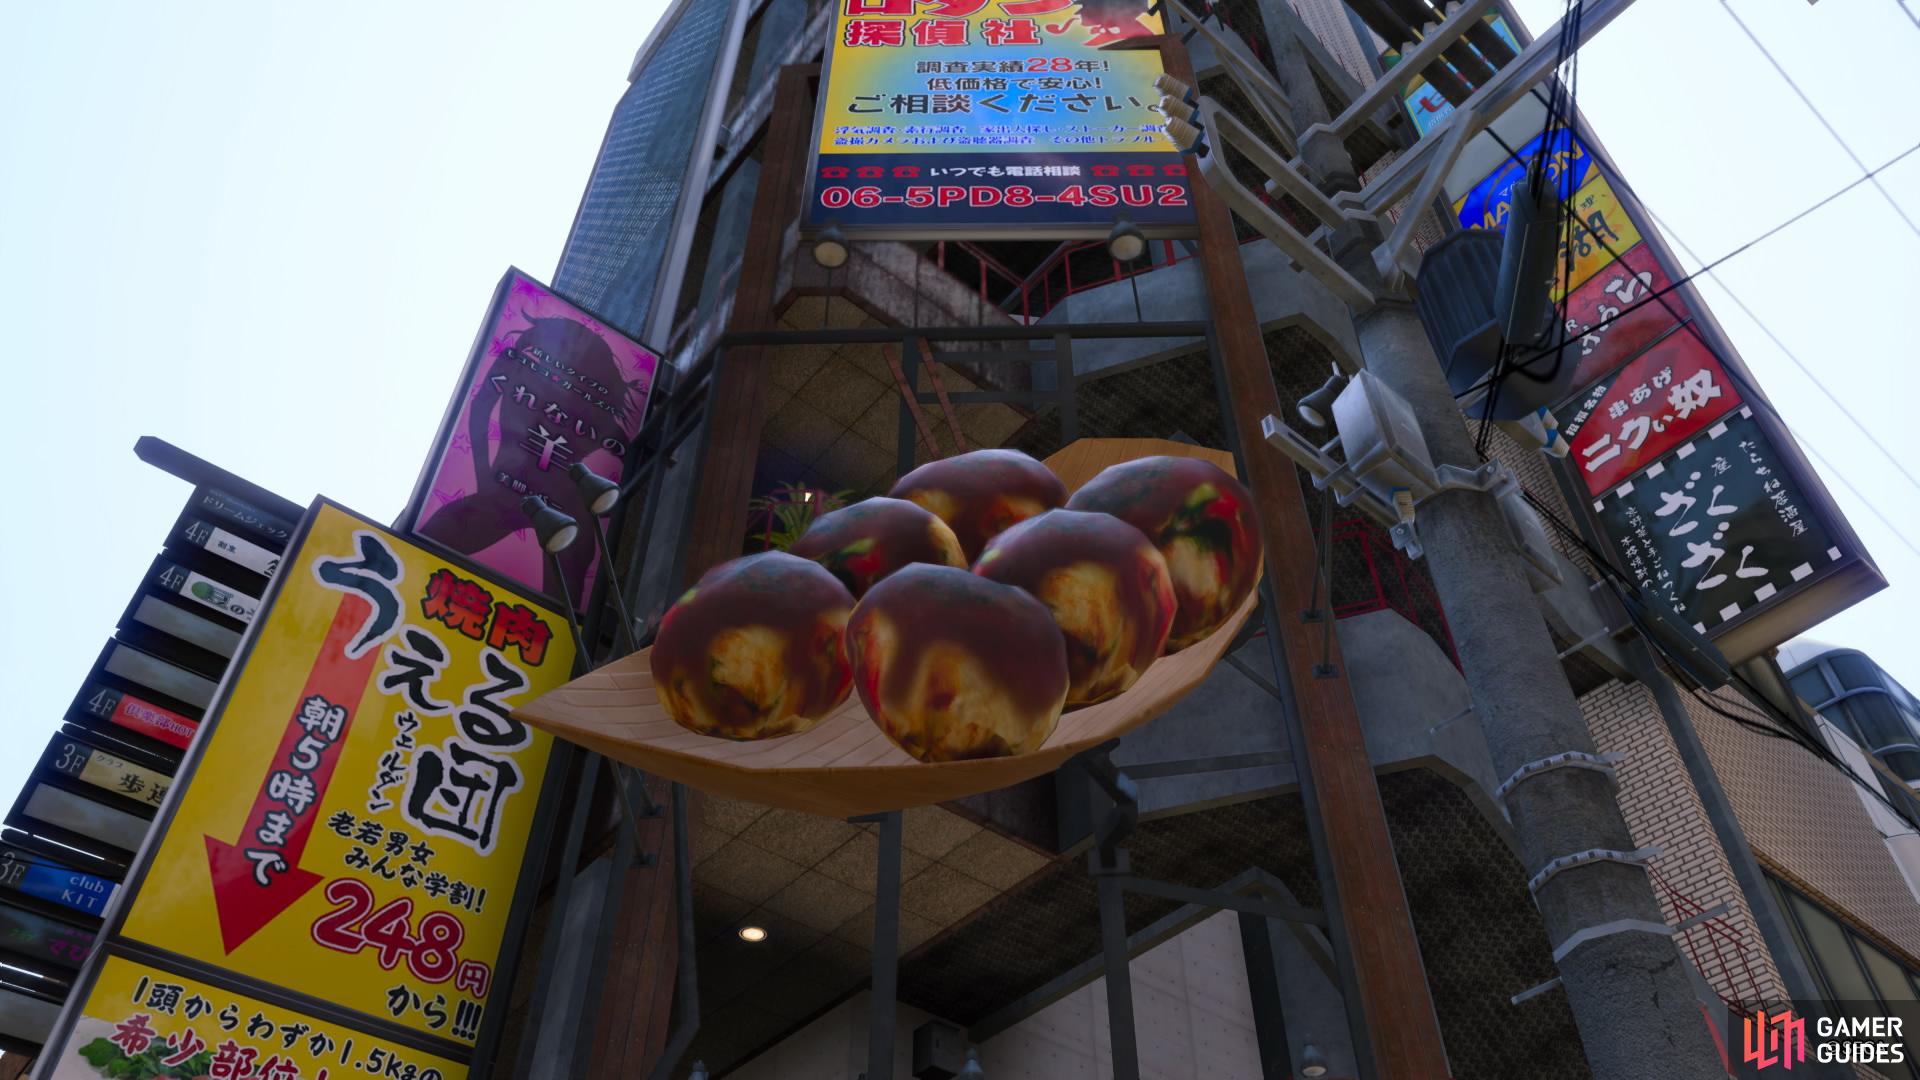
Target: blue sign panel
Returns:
[[25, 872], [1487, 205]]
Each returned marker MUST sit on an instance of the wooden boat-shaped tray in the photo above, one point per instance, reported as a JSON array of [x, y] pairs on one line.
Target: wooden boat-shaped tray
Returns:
[[845, 766]]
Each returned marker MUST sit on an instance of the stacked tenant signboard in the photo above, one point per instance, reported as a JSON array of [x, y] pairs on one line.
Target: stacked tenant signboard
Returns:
[[1678, 464], [89, 803], [337, 879], [996, 117]]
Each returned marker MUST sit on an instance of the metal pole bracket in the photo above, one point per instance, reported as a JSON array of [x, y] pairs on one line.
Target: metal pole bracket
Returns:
[[1637, 857], [1571, 759]]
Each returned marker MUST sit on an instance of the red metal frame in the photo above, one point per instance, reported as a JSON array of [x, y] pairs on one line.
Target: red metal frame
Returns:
[[1725, 952], [1417, 600]]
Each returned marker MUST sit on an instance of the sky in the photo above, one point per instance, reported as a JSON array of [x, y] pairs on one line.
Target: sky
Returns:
[[267, 233]]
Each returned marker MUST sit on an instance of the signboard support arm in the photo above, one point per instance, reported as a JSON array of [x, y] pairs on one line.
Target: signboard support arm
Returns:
[[886, 949], [686, 988], [551, 947]]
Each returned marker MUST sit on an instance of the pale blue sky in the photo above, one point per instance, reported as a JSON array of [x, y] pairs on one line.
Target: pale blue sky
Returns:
[[267, 233]]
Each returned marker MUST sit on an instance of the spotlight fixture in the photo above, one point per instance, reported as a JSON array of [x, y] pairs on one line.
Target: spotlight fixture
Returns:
[[1171, 86], [555, 528], [1125, 243], [599, 493], [1175, 107], [1317, 407], [1185, 136], [753, 935], [830, 248], [1312, 1062]]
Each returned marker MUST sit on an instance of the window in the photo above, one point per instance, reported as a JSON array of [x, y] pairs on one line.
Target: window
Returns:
[[612, 259], [1848, 967]]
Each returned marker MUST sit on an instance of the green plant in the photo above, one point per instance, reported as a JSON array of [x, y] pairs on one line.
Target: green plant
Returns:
[[784, 515]]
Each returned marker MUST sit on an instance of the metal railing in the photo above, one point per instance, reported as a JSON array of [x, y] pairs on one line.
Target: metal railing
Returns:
[[1391, 582]]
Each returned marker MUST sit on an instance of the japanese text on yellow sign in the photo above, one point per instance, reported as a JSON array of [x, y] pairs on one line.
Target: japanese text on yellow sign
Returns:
[[1601, 232], [996, 113], [359, 818], [141, 1021]]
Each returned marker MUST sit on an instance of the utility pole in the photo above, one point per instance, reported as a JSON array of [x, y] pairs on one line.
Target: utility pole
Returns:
[[1636, 1010]]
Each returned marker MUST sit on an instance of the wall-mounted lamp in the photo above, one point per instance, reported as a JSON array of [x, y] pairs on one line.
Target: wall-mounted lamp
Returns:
[[1126, 243], [830, 248], [556, 530], [601, 495], [1176, 109]]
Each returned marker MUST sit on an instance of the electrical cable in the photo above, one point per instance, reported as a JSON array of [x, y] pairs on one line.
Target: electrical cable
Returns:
[[1753, 396], [1656, 295], [1781, 728], [1782, 346], [1817, 114], [1536, 177]]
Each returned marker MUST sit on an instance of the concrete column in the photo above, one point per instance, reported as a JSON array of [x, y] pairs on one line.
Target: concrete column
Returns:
[[1638, 1015]]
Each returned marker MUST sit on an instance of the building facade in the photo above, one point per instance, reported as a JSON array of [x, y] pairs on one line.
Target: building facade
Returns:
[[681, 933], [998, 945]]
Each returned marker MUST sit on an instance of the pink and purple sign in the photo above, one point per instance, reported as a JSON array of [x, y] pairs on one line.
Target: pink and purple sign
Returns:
[[548, 386]]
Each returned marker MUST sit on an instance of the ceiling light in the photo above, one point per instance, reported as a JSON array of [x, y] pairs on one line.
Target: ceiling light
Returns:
[[753, 935]]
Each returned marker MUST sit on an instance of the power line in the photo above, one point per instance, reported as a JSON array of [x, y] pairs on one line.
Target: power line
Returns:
[[1778, 729], [1789, 353], [1657, 295], [1752, 394], [1817, 114]]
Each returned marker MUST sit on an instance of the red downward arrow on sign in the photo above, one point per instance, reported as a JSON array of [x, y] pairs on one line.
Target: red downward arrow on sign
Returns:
[[244, 904]]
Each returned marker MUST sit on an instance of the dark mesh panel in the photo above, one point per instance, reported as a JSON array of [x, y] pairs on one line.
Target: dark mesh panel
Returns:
[[1177, 396]]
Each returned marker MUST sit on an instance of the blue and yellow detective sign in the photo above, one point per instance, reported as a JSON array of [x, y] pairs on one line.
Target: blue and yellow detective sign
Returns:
[[941, 114], [1487, 205]]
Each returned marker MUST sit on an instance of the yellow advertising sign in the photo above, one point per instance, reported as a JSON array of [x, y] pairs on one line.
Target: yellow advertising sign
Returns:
[[356, 824], [960, 76], [141, 1021], [996, 114], [1601, 228], [1601, 231]]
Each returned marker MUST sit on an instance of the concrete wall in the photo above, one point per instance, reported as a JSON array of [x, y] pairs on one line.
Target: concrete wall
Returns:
[[1284, 297], [834, 1047], [1409, 696], [1190, 998], [1192, 1010]]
